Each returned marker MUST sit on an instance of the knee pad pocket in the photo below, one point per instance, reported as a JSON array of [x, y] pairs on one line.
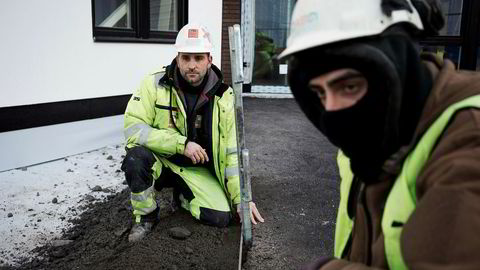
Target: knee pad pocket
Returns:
[[214, 217], [137, 166]]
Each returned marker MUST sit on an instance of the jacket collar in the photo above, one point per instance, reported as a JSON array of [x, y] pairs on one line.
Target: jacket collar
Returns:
[[450, 86], [214, 80]]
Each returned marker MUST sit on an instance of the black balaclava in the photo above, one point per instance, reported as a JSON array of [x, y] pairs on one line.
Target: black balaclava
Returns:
[[385, 118]]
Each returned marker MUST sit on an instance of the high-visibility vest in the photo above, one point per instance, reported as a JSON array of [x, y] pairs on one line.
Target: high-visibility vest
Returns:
[[155, 118], [344, 225], [403, 192]]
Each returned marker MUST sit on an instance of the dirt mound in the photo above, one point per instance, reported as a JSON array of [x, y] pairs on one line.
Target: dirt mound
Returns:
[[98, 240]]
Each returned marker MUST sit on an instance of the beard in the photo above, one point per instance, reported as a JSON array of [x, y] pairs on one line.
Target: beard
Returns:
[[193, 78]]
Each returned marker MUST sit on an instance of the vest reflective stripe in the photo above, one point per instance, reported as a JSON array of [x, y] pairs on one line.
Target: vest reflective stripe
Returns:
[[233, 171], [143, 203], [402, 193], [404, 190], [144, 130], [231, 150], [142, 196], [344, 225]]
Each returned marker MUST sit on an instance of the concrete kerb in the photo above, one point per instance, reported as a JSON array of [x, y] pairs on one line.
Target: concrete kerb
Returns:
[[267, 95]]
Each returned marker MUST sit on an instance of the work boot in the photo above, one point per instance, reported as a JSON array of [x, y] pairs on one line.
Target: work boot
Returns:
[[139, 230]]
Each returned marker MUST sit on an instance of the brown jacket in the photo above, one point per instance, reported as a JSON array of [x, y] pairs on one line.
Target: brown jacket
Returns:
[[444, 230]]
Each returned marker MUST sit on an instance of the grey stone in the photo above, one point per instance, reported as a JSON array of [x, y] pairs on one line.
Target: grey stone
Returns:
[[179, 233], [90, 198], [97, 188], [188, 250], [60, 243], [110, 157], [9, 215], [121, 231], [54, 200]]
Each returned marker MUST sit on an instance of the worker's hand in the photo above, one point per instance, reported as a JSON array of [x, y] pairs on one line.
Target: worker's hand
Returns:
[[195, 152], [254, 214]]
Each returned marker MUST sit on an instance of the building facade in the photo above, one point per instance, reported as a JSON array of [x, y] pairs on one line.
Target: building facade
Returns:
[[69, 67]]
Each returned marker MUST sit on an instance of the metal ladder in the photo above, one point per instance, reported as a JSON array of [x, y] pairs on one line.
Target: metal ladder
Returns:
[[236, 60]]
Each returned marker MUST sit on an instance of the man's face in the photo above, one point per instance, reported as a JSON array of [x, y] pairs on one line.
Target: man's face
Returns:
[[194, 66], [339, 89]]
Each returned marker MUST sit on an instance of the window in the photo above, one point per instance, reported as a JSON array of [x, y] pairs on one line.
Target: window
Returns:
[[457, 40], [452, 12], [272, 22], [155, 21], [478, 59]]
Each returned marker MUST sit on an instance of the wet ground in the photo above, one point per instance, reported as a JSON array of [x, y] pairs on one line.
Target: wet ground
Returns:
[[295, 186], [295, 183]]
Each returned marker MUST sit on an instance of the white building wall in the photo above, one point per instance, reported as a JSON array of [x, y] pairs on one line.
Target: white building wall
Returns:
[[47, 54]]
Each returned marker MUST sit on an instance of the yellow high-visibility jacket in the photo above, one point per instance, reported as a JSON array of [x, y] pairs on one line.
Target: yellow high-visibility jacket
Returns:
[[155, 118]]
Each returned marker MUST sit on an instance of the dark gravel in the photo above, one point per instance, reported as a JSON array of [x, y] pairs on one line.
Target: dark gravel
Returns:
[[295, 184]]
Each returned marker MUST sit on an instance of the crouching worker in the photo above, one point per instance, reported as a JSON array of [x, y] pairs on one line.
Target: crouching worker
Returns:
[[180, 130], [408, 124]]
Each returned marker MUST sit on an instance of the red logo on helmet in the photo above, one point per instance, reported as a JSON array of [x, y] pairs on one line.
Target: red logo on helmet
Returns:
[[192, 33]]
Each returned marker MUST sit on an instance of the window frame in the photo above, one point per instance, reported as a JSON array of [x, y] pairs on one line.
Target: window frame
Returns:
[[467, 40], [140, 20]]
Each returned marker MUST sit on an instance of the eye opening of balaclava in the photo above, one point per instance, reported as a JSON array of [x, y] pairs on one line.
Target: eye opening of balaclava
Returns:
[[369, 131]]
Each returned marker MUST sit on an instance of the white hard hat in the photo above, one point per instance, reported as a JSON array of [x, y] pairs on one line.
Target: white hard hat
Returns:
[[316, 23], [194, 38]]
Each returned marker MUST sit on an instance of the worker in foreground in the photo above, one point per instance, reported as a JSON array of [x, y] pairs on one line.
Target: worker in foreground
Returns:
[[180, 130], [408, 125]]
